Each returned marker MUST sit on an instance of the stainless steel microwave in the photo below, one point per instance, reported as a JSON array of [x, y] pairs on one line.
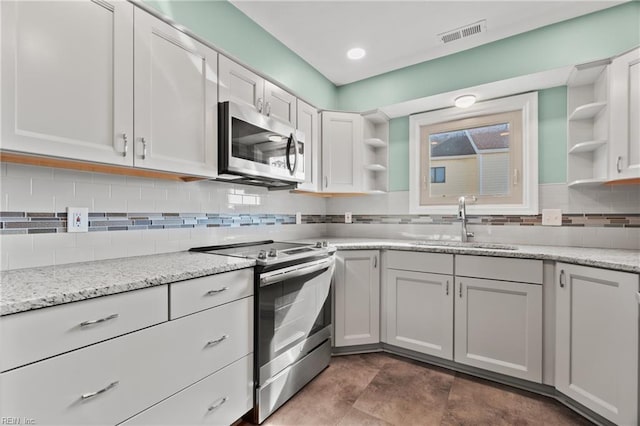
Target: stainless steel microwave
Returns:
[[256, 149]]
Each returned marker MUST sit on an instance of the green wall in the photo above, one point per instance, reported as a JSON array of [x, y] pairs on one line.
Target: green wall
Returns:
[[228, 29], [583, 39]]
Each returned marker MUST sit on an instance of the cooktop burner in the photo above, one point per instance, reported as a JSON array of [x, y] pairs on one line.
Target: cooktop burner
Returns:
[[269, 252]]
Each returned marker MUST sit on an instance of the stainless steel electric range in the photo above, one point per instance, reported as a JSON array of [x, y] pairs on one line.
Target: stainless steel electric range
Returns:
[[292, 312]]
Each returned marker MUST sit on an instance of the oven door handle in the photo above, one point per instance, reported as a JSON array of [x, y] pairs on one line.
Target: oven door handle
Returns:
[[295, 271]]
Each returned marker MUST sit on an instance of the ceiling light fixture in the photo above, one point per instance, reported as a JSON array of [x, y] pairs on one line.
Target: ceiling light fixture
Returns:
[[356, 53], [464, 101]]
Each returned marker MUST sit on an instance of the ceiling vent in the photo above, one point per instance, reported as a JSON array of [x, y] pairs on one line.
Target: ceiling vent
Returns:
[[463, 32]]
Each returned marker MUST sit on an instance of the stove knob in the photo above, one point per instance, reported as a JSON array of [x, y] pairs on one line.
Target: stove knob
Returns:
[[262, 255], [273, 253], [324, 243]]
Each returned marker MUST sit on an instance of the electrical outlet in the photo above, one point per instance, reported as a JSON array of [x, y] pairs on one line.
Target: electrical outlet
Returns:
[[551, 217], [77, 219], [348, 218], [298, 218]]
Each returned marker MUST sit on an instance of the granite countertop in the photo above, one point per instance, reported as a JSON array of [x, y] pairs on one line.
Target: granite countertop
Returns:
[[616, 259], [25, 289]]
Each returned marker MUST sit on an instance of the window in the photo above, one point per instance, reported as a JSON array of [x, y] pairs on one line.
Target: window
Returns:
[[488, 151], [438, 175]]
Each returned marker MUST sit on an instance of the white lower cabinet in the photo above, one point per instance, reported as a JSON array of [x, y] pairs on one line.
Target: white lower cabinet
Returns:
[[418, 302], [597, 340], [111, 381], [498, 326], [216, 399], [357, 298]]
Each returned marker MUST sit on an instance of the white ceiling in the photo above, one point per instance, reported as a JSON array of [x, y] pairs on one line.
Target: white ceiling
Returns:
[[397, 33]]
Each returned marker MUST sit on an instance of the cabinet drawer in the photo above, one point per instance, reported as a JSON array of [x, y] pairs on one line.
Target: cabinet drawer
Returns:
[[437, 263], [38, 334], [499, 268], [218, 399], [148, 366], [198, 294]]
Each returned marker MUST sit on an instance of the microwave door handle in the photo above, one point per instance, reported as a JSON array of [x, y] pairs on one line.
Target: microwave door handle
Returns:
[[279, 276], [292, 142]]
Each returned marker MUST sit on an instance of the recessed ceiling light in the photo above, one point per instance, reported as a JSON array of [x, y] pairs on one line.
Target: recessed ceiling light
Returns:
[[356, 53], [464, 101]]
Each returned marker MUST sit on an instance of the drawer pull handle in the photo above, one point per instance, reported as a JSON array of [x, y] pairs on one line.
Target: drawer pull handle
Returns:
[[214, 292], [447, 287], [215, 342], [217, 405], [90, 395], [460, 290], [562, 280], [98, 321]]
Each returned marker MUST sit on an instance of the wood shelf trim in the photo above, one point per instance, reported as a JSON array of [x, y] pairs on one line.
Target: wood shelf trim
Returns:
[[92, 167]]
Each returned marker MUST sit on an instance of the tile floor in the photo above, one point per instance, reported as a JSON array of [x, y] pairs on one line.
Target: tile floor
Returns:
[[380, 389]]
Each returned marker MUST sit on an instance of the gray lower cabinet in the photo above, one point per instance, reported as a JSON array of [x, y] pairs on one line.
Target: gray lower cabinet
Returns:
[[498, 326], [418, 304], [597, 340], [357, 298]]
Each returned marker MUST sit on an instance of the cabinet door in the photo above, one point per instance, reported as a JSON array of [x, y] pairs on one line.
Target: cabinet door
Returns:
[[597, 340], [420, 312], [240, 85], [341, 152], [498, 327], [308, 124], [625, 110], [357, 298], [175, 100], [67, 81], [279, 103]]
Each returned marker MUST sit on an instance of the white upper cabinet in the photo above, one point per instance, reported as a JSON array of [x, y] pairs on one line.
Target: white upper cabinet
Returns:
[[280, 104], [308, 124], [175, 100], [624, 155], [238, 84], [597, 340], [341, 152], [354, 152], [67, 85]]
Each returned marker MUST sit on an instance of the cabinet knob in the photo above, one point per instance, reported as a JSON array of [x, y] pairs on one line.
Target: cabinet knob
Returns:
[[144, 148], [126, 144]]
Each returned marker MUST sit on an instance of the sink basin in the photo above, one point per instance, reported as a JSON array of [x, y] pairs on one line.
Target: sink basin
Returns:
[[469, 244]]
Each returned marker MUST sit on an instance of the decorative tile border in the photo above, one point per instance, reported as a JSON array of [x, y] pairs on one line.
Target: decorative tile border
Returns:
[[41, 223]]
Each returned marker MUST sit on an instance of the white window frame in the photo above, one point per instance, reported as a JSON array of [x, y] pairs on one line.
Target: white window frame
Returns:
[[528, 104]]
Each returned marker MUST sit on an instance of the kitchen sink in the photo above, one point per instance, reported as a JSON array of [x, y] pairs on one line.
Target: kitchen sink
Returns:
[[469, 244]]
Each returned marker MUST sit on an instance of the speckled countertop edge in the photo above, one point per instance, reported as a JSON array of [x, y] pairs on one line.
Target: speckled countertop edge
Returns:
[[615, 259], [33, 288]]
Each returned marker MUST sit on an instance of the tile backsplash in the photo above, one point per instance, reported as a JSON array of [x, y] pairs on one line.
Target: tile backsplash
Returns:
[[135, 216]]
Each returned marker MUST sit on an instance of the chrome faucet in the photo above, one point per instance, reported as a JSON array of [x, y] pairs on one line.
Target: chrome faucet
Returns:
[[462, 215]]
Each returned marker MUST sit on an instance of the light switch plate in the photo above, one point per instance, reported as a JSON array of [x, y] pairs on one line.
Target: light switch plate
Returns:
[[77, 219], [298, 218], [348, 218], [551, 217]]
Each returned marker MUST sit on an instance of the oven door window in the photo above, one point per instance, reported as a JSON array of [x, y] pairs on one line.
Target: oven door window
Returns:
[[292, 310], [261, 146]]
